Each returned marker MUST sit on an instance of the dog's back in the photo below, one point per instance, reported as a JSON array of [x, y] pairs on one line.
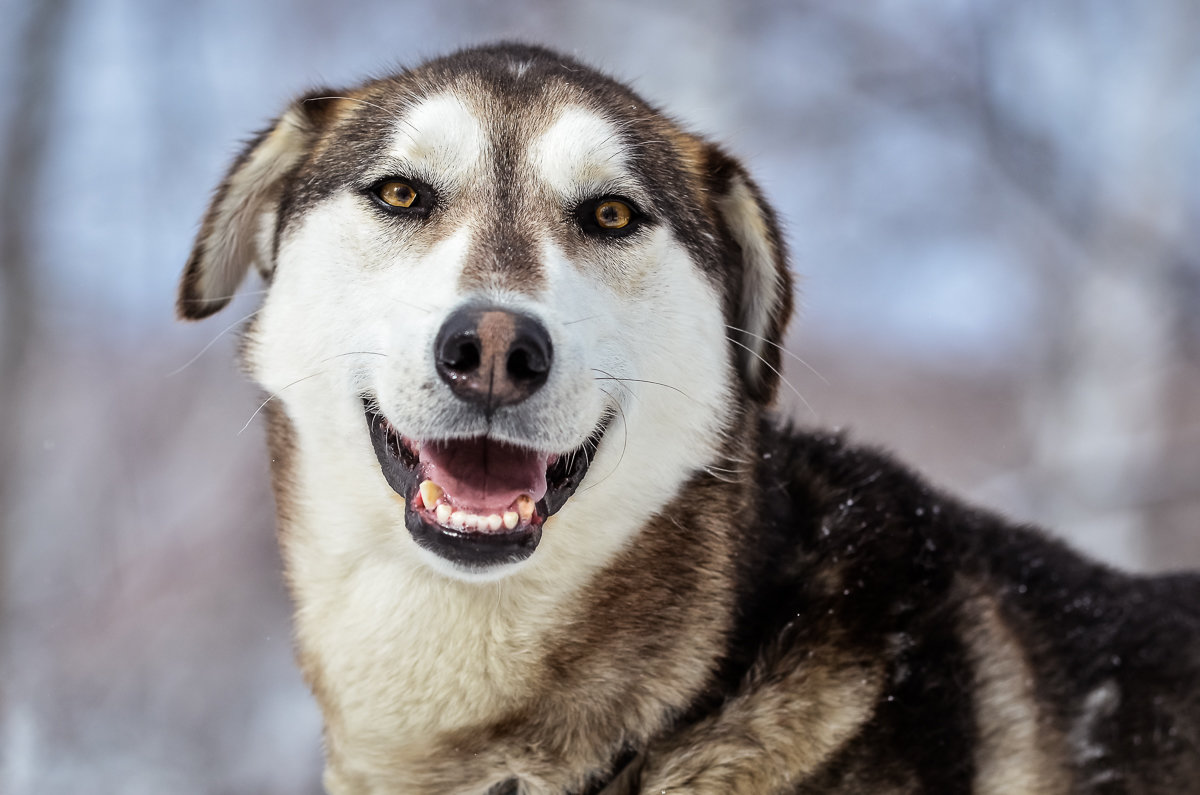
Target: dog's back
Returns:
[[1011, 664]]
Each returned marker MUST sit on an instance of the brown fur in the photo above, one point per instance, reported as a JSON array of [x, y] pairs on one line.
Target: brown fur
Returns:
[[1020, 747]]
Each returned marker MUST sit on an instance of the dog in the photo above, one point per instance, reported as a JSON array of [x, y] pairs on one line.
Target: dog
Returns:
[[543, 533]]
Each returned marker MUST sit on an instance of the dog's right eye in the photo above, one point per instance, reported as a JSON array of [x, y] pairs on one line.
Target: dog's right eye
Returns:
[[403, 197]]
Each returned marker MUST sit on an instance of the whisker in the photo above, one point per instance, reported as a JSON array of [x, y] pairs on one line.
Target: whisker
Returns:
[[782, 350], [211, 343], [425, 309], [624, 443], [781, 378], [353, 353], [274, 395], [580, 320], [611, 377]]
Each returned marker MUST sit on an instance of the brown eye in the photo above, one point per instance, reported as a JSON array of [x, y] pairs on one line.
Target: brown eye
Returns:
[[609, 217], [397, 194], [613, 214]]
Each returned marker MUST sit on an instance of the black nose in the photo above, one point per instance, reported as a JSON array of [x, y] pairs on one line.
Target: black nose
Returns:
[[492, 357]]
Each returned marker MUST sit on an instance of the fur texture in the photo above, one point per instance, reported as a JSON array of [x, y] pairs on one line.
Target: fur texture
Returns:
[[721, 604]]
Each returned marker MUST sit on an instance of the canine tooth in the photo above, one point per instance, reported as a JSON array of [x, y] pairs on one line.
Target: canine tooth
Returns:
[[443, 513], [525, 507], [430, 493], [510, 519], [458, 519], [494, 521]]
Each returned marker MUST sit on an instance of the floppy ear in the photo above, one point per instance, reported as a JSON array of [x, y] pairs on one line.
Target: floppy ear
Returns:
[[761, 303], [239, 227]]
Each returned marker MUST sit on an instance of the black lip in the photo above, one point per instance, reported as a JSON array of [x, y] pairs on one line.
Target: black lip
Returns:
[[472, 550]]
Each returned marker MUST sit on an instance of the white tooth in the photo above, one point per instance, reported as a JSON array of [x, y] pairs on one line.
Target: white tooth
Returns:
[[443, 513], [510, 519], [458, 519], [525, 507], [494, 521], [430, 494], [470, 521]]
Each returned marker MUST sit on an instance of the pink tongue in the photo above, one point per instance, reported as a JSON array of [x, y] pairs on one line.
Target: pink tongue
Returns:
[[483, 474]]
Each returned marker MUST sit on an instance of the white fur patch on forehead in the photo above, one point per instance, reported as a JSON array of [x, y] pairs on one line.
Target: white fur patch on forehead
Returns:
[[441, 139], [580, 152]]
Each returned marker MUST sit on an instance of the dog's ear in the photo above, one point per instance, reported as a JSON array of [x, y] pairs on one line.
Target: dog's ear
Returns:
[[239, 226], [762, 301]]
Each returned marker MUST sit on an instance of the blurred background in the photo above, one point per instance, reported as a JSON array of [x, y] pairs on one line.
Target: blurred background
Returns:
[[994, 204]]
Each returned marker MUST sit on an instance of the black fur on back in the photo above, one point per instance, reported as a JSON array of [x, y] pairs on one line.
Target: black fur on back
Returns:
[[853, 544]]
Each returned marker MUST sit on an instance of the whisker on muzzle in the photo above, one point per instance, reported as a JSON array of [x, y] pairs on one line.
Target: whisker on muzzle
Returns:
[[624, 442], [607, 376], [353, 353]]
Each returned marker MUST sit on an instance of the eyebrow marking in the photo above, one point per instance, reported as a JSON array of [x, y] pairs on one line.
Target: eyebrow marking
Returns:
[[582, 151], [440, 138]]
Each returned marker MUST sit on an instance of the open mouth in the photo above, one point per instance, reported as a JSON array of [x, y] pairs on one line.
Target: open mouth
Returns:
[[477, 502]]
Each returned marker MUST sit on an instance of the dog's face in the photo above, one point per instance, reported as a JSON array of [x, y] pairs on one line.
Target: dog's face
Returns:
[[505, 296]]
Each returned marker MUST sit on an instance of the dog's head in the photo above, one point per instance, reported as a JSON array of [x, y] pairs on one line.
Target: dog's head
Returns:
[[509, 286]]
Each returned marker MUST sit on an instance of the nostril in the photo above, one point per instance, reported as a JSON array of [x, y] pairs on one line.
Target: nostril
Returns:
[[462, 355], [458, 351], [526, 365], [529, 356]]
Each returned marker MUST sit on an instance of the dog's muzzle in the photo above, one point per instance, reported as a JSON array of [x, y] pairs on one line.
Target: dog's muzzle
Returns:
[[480, 502]]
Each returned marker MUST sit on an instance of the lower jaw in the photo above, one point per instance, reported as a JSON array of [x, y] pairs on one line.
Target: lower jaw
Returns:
[[472, 550]]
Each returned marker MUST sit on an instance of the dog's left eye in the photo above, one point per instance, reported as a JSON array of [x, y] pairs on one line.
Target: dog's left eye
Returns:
[[397, 194], [613, 214], [609, 217]]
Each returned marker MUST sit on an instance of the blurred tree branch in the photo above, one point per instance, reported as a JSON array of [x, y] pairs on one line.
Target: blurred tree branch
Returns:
[[1104, 238]]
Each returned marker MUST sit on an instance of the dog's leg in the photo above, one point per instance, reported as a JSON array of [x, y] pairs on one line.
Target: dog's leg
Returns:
[[790, 716]]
